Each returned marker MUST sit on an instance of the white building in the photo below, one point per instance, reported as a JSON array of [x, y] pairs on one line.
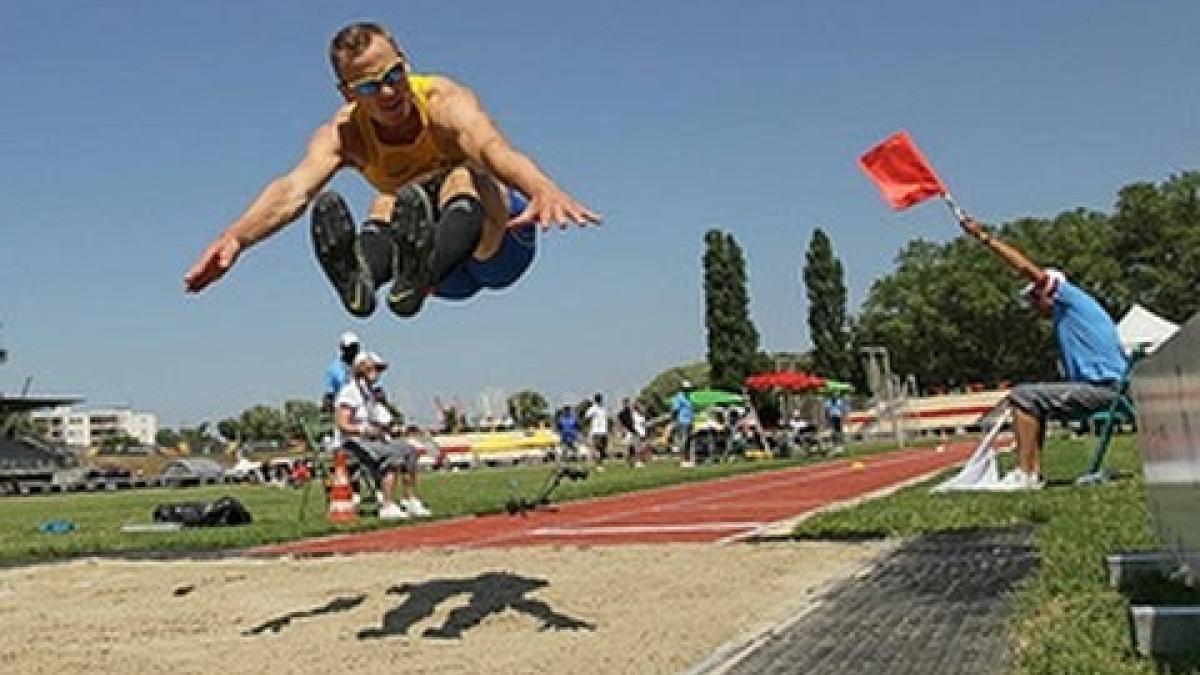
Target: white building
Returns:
[[88, 428]]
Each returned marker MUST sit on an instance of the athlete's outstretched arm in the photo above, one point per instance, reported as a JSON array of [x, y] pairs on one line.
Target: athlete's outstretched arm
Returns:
[[281, 202], [482, 143], [1006, 252]]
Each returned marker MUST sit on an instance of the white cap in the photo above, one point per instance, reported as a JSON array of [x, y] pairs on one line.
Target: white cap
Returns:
[[348, 340], [372, 358], [1051, 280]]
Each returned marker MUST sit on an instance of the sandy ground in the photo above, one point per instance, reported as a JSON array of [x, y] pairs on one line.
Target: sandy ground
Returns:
[[638, 609]]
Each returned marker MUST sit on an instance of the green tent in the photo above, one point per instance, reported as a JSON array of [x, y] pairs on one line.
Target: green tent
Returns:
[[835, 387], [705, 398]]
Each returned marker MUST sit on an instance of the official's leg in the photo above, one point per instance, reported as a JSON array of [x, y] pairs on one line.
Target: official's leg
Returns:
[[387, 487], [1028, 431]]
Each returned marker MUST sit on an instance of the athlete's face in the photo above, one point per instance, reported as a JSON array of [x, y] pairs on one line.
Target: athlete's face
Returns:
[[377, 80]]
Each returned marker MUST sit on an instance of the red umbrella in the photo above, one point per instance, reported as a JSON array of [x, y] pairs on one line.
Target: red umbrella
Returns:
[[789, 380]]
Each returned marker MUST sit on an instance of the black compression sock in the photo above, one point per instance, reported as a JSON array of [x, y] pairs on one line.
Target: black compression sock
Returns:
[[378, 248], [458, 232]]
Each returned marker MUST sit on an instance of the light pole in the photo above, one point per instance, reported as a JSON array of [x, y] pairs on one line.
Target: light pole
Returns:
[[882, 388]]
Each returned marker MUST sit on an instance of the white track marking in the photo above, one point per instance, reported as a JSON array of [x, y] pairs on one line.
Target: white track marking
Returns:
[[642, 529]]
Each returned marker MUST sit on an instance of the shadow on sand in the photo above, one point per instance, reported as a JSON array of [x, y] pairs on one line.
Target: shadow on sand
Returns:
[[490, 593]]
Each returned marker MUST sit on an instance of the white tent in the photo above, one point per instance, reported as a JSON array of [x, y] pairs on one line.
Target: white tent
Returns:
[[1141, 327]]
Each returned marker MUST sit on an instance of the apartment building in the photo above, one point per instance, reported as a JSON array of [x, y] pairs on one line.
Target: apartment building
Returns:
[[89, 428]]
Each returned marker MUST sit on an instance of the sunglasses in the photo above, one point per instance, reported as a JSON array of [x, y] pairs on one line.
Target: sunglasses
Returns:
[[369, 87]]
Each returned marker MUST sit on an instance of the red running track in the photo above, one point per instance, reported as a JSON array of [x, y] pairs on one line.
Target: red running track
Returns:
[[723, 509]]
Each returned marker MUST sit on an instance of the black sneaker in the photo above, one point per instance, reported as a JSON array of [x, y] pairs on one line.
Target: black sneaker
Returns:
[[412, 267], [335, 241]]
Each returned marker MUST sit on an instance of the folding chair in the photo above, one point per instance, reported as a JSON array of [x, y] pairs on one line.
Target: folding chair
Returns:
[[1121, 408], [312, 433]]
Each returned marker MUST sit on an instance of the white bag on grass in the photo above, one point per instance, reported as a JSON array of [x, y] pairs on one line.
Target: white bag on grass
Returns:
[[981, 471]]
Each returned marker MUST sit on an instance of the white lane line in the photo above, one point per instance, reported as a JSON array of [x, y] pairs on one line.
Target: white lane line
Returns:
[[642, 529]]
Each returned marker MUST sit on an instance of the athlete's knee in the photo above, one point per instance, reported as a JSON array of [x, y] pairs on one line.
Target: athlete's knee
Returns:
[[458, 181], [466, 204], [462, 218]]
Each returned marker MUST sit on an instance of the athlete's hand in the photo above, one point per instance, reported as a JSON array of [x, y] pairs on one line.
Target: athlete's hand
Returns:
[[551, 207], [213, 263]]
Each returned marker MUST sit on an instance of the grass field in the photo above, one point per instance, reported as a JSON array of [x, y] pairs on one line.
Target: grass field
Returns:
[[289, 514], [1068, 620]]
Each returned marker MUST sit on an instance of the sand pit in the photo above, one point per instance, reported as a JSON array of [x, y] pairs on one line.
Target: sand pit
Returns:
[[637, 609]]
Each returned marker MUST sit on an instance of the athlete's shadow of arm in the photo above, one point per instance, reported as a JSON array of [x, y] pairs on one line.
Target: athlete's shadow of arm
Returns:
[[277, 624]]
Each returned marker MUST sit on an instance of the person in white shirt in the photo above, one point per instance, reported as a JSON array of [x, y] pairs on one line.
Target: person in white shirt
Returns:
[[633, 423], [362, 424], [597, 419]]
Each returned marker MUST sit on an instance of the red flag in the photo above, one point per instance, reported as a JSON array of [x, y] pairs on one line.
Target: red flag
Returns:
[[901, 172]]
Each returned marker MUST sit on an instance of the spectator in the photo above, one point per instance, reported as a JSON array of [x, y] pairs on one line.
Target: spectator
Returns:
[[567, 426], [682, 414], [835, 410], [639, 447], [1090, 355], [627, 417], [362, 427], [597, 419], [338, 372]]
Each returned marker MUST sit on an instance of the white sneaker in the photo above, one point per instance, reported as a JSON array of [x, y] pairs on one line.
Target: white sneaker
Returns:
[[416, 508], [392, 512], [1017, 479], [355, 499]]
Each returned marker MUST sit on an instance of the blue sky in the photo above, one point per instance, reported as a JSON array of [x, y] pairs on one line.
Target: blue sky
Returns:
[[133, 132]]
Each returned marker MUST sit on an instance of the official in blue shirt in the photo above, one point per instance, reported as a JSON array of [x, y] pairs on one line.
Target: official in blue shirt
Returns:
[[1090, 352], [835, 410], [567, 426], [683, 413], [338, 372]]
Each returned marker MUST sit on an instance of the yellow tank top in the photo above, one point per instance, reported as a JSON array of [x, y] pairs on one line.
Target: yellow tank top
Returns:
[[390, 167]]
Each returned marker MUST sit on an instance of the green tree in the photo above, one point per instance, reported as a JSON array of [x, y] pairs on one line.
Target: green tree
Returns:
[[1156, 243], [949, 314], [299, 412], [528, 407], [196, 440], [118, 443], [230, 429], [828, 325], [656, 395], [262, 423], [167, 438], [732, 337]]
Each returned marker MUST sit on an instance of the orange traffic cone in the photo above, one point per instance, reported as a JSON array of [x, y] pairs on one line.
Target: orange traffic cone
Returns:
[[341, 495]]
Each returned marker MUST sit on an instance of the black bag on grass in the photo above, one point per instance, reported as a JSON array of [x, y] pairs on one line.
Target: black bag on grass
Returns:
[[224, 511]]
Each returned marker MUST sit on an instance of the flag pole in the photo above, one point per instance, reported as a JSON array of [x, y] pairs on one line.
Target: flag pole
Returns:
[[957, 210]]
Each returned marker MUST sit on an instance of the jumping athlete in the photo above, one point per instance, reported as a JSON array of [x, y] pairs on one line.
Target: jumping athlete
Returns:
[[457, 208]]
